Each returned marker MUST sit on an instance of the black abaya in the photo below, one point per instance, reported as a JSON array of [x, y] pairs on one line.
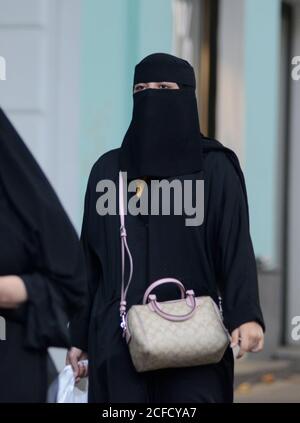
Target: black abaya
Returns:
[[22, 371], [38, 244], [217, 253]]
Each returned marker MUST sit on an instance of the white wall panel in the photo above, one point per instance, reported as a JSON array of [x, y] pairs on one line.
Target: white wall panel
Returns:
[[23, 12], [39, 40], [32, 128], [294, 188], [23, 52], [230, 123]]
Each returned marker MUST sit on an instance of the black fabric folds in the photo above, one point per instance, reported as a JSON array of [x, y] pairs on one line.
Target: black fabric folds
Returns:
[[162, 67], [163, 138], [54, 271], [218, 253]]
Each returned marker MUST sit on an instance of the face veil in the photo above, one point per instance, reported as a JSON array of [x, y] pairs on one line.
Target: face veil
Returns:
[[163, 138]]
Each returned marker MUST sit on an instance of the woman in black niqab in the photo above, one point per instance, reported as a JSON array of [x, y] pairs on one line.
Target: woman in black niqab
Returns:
[[164, 141], [39, 245], [163, 138]]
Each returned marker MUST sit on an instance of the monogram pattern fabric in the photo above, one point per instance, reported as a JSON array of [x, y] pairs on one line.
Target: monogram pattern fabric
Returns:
[[156, 342]]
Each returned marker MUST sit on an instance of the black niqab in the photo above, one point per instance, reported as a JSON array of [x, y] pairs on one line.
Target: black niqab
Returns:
[[163, 138]]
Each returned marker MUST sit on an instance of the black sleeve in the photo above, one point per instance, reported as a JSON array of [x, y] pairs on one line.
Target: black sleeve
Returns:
[[237, 265], [79, 325], [54, 272], [53, 299]]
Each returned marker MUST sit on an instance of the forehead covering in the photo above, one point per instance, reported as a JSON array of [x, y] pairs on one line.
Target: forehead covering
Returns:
[[159, 67]]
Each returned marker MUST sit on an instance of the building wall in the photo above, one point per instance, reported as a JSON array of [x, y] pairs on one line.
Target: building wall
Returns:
[[248, 121], [116, 34], [230, 111], [40, 94], [262, 51], [294, 191]]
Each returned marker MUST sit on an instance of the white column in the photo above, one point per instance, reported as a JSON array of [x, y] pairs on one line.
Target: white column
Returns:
[[294, 190], [230, 113]]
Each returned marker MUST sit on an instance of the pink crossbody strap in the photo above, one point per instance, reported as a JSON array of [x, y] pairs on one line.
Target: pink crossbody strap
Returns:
[[124, 248], [153, 302]]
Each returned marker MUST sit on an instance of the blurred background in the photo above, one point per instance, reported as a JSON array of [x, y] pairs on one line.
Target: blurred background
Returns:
[[66, 83]]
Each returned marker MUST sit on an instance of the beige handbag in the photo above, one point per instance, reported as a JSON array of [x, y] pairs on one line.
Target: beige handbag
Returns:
[[177, 333]]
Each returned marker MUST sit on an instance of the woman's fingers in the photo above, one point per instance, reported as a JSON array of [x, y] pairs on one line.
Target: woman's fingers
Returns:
[[235, 341], [240, 353], [86, 370], [74, 364], [259, 345], [235, 338], [251, 338], [12, 291], [244, 345], [255, 339], [73, 357], [82, 371]]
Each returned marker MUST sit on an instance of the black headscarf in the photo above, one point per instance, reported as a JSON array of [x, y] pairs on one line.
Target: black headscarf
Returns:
[[57, 286], [164, 137]]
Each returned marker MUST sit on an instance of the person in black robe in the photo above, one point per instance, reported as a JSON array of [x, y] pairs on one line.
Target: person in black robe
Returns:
[[42, 273], [215, 258]]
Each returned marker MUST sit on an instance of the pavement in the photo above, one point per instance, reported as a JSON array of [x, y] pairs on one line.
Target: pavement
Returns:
[[272, 381], [285, 390]]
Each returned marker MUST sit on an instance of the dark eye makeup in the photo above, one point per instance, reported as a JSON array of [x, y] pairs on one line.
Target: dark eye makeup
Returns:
[[163, 86]]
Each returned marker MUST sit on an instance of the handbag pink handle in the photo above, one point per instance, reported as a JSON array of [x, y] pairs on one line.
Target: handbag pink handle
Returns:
[[160, 282], [174, 317], [152, 297]]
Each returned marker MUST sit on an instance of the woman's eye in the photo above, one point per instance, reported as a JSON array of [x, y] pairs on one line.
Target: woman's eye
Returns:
[[139, 88], [164, 86]]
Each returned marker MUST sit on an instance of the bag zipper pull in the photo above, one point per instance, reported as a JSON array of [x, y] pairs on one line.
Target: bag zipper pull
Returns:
[[220, 305], [123, 324]]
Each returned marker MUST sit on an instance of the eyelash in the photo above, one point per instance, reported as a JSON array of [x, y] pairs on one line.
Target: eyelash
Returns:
[[141, 87]]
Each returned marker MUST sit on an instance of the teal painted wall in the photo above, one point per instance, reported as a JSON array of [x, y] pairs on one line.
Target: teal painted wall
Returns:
[[116, 34], [262, 49]]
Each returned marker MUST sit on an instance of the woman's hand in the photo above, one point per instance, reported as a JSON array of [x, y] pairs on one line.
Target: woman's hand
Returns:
[[250, 338], [74, 356], [12, 292]]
